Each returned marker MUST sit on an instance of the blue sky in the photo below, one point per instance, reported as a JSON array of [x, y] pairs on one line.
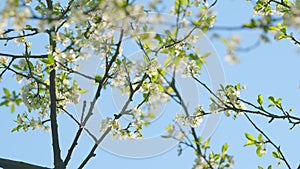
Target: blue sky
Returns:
[[269, 69]]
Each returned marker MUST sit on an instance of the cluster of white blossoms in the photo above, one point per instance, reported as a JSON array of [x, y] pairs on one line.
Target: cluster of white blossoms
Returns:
[[10, 10], [35, 70], [231, 47], [155, 95], [151, 68], [228, 96], [121, 73], [292, 17], [192, 120], [24, 122], [33, 100], [68, 92], [19, 15], [191, 69], [20, 18], [131, 131], [200, 163]]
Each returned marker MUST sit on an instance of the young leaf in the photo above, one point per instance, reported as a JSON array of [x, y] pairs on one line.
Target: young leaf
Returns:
[[16, 128], [249, 137], [272, 99], [224, 148], [6, 92], [12, 108], [260, 100], [260, 138], [275, 154], [258, 152], [50, 60], [249, 142]]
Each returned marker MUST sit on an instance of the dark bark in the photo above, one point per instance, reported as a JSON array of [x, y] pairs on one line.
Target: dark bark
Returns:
[[58, 163], [10, 164]]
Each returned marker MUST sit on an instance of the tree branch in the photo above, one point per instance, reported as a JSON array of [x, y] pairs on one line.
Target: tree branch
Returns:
[[11, 164], [102, 82], [269, 141], [58, 163], [22, 56], [106, 132]]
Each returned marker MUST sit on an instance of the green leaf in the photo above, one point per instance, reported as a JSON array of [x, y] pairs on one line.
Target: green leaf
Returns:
[[260, 138], [167, 61], [4, 103], [160, 88], [146, 97], [278, 103], [6, 92], [50, 60], [281, 36], [273, 28], [18, 101], [12, 108], [238, 86], [249, 142], [206, 144], [177, 61], [205, 55], [97, 78], [259, 167], [250, 137], [276, 154], [28, 26], [258, 152], [16, 128], [272, 99], [169, 127], [217, 157], [17, 66], [183, 2], [82, 91], [270, 167], [224, 148], [155, 77], [166, 136], [260, 100]]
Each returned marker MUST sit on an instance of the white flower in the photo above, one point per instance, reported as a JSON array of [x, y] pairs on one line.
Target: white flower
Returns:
[[20, 18], [47, 129], [24, 93], [19, 78], [213, 107], [3, 60], [27, 2], [179, 136], [136, 112], [232, 59], [195, 120], [75, 98], [22, 63], [105, 124], [180, 118]]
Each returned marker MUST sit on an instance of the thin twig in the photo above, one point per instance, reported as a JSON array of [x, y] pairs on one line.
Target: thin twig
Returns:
[[269, 141]]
